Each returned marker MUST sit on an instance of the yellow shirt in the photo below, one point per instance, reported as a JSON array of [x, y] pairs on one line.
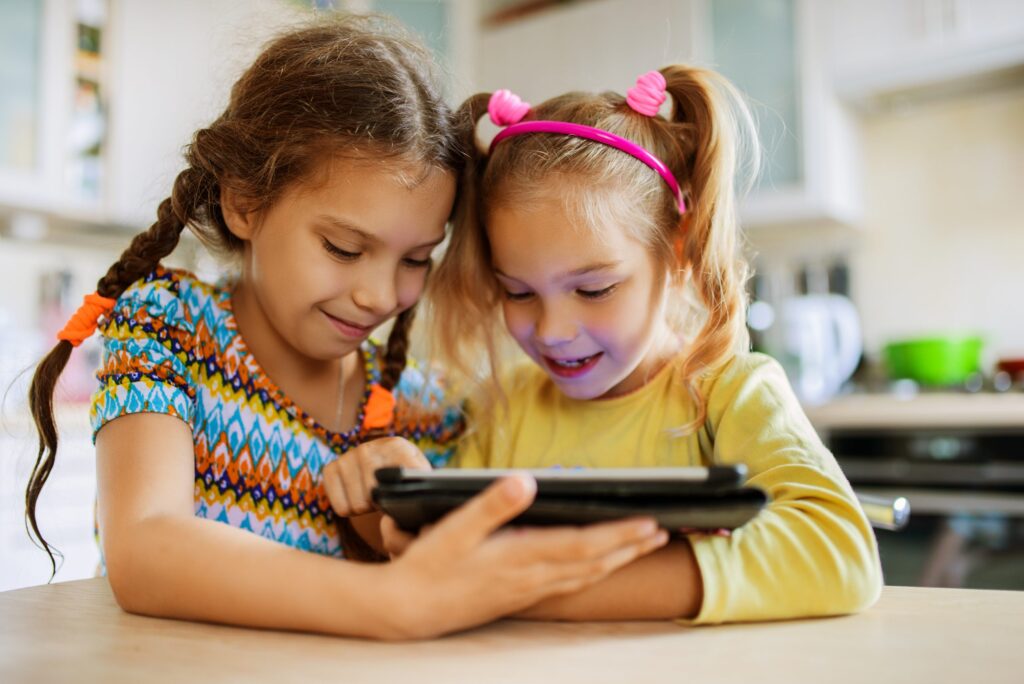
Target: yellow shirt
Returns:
[[810, 552]]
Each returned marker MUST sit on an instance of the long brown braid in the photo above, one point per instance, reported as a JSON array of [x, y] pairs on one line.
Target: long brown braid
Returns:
[[142, 256], [392, 366], [340, 86]]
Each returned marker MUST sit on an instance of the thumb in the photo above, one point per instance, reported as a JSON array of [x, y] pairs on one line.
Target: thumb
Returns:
[[471, 523], [394, 539]]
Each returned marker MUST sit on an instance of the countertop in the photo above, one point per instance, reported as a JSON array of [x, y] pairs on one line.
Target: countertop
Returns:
[[74, 631], [941, 410]]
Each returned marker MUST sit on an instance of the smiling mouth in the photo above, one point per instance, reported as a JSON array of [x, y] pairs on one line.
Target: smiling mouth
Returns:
[[347, 327], [575, 367]]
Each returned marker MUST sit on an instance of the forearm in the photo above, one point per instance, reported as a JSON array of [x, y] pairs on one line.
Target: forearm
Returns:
[[665, 584], [195, 569]]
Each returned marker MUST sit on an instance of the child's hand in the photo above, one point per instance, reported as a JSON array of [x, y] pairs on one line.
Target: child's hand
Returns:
[[719, 532], [394, 539], [465, 571], [349, 479]]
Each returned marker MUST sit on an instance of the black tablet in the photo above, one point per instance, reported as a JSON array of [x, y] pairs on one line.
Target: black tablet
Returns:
[[678, 498]]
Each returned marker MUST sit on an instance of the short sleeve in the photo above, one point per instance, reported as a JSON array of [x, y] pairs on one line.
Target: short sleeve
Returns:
[[147, 353]]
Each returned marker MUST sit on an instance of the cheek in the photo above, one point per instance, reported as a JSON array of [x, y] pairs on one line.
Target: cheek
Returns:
[[411, 283], [623, 324], [294, 262], [517, 320]]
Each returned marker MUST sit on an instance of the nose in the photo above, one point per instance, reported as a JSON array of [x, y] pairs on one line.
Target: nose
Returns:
[[555, 327], [376, 292]]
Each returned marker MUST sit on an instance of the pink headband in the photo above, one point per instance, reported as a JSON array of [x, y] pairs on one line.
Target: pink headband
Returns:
[[506, 109]]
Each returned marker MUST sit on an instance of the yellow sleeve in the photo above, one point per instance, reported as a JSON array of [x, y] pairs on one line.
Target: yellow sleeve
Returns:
[[811, 551]]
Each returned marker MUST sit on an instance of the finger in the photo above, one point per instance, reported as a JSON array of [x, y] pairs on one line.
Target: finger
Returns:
[[389, 452], [395, 539], [367, 471], [352, 479], [336, 490], [407, 455], [718, 532], [573, 576], [468, 525], [566, 544]]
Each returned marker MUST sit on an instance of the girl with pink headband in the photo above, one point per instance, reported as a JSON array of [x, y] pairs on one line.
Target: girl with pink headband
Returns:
[[602, 237]]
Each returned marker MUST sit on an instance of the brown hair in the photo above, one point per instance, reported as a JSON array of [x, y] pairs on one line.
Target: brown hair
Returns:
[[699, 141], [343, 85]]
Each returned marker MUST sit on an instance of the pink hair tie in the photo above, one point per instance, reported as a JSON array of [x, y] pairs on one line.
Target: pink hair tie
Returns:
[[506, 108], [647, 96]]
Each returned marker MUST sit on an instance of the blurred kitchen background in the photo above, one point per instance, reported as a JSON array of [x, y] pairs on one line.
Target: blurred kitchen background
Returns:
[[885, 229]]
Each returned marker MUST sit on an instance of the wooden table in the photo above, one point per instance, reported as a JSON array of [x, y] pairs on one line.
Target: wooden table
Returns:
[[75, 632]]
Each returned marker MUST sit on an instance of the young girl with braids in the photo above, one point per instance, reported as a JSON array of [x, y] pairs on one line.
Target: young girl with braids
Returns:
[[330, 176], [605, 235]]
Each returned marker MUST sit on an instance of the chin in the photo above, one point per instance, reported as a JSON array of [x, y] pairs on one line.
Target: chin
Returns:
[[327, 352], [580, 393]]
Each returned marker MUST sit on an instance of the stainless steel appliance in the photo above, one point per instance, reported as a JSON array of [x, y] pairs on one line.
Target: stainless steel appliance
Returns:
[[958, 458]]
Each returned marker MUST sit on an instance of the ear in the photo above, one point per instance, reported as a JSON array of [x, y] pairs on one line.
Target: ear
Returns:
[[241, 222]]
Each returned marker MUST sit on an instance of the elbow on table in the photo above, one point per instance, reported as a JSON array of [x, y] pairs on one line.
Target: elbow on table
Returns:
[[125, 582], [859, 589], [129, 575], [858, 582]]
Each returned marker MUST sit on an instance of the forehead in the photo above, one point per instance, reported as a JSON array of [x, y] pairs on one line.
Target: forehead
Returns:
[[357, 173], [375, 195], [545, 239]]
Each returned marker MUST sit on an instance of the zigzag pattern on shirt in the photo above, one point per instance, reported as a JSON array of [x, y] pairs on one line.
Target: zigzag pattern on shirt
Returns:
[[172, 347]]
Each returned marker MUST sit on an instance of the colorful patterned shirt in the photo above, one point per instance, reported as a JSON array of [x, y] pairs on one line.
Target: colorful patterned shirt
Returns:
[[171, 345]]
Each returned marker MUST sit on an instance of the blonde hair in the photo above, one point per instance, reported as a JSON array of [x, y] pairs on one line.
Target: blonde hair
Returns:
[[700, 142]]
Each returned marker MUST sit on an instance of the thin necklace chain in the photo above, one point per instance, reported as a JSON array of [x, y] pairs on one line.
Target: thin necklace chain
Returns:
[[341, 396]]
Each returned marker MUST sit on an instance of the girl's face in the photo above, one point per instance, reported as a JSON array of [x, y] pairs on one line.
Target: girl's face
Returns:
[[589, 309], [332, 260]]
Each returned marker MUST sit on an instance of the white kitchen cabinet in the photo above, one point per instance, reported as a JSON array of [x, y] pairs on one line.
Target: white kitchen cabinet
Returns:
[[171, 69], [771, 48], [166, 69], [31, 174], [597, 45], [880, 47]]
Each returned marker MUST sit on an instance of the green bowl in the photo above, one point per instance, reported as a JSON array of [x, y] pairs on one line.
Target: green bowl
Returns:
[[936, 361]]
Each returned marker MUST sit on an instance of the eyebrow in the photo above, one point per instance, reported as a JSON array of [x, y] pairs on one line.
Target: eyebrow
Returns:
[[576, 272], [342, 224]]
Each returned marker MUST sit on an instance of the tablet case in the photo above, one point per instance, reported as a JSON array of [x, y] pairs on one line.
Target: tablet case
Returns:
[[692, 498]]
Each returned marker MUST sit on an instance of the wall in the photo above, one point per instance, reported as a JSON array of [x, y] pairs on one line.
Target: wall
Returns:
[[172, 66], [942, 247]]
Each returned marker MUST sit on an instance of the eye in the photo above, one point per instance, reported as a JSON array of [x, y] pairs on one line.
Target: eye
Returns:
[[597, 294], [417, 263], [338, 252], [517, 296]]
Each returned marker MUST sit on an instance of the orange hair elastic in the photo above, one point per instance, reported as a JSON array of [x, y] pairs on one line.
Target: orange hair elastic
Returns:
[[83, 322], [380, 408]]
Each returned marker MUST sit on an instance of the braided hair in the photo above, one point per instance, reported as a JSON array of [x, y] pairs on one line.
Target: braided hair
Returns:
[[339, 85]]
